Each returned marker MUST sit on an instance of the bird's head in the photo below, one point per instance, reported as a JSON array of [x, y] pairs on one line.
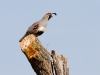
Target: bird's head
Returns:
[[49, 15]]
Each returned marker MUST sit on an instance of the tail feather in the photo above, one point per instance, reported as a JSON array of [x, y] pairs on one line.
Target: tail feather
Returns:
[[22, 38]]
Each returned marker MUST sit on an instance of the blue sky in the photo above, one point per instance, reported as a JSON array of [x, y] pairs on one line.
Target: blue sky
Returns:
[[74, 32]]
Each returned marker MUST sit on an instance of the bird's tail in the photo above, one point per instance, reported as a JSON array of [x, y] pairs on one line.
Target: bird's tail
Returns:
[[22, 38]]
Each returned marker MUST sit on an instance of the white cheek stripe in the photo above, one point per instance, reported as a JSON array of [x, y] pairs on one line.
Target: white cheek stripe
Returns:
[[41, 29]]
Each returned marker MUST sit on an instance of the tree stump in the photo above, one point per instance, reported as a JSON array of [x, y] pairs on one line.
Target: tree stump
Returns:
[[40, 58]]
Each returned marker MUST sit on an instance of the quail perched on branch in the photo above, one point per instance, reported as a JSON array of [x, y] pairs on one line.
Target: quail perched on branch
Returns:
[[38, 27]]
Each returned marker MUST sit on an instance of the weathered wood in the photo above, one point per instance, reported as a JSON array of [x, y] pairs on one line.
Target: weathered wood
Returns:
[[37, 55], [40, 58], [60, 64]]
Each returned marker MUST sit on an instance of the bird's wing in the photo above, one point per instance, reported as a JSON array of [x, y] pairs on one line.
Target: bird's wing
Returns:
[[33, 28]]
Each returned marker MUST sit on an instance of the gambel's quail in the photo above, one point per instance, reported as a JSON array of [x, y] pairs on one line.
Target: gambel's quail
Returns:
[[38, 27]]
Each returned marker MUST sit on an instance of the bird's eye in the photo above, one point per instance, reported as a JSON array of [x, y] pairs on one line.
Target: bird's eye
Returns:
[[48, 15]]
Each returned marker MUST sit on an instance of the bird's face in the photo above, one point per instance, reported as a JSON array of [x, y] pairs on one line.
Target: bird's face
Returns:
[[49, 15]]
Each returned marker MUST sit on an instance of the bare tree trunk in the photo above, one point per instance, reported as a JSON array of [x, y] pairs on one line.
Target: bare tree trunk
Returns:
[[60, 64], [40, 58]]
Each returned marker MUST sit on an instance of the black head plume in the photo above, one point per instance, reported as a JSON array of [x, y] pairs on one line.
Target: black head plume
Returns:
[[54, 13]]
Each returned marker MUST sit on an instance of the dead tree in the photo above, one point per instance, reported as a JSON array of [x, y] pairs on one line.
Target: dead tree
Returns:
[[40, 59]]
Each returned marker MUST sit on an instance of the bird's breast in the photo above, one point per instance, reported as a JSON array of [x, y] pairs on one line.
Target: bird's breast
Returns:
[[41, 29]]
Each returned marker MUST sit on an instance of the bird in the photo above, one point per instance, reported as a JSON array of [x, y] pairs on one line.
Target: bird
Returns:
[[38, 27]]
